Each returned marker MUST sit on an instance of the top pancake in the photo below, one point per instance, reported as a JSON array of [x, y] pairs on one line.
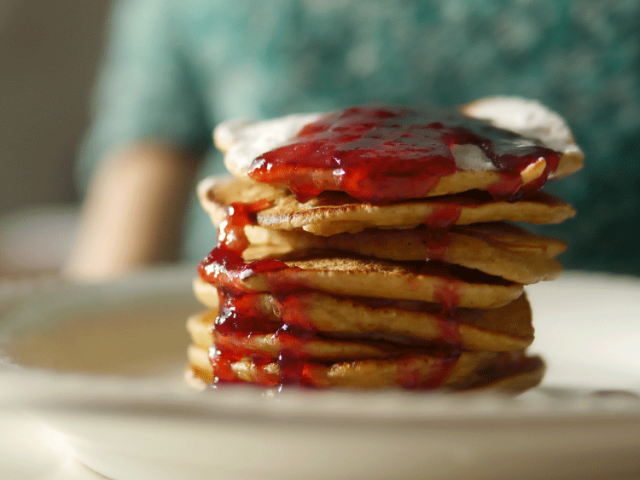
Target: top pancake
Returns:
[[243, 141], [332, 212]]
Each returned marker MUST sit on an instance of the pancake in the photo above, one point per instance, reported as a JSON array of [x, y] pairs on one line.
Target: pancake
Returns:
[[369, 277], [203, 336], [244, 141], [333, 213], [415, 370], [499, 330], [200, 371], [530, 119], [514, 238], [510, 375], [501, 250], [419, 243], [465, 372]]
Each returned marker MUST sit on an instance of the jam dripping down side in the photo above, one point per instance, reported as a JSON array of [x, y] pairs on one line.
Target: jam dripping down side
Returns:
[[241, 315], [241, 318], [385, 154], [444, 216], [225, 268], [224, 265], [412, 379]]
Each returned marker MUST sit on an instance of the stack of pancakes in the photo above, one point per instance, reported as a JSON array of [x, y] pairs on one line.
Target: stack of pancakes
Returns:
[[419, 293]]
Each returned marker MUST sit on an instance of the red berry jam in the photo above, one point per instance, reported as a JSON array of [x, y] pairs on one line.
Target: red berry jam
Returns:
[[242, 314], [376, 155], [385, 154]]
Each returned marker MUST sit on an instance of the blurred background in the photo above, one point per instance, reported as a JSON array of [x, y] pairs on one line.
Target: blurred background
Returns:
[[49, 54], [581, 58]]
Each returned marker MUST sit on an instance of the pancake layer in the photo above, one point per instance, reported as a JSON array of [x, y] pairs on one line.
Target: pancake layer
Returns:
[[332, 213], [525, 122], [411, 323]]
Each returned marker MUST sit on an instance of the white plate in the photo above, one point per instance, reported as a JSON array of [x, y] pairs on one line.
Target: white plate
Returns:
[[103, 366], [30, 450]]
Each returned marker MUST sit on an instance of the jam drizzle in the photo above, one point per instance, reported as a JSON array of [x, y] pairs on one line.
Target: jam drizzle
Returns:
[[377, 155], [242, 315], [224, 265], [382, 154]]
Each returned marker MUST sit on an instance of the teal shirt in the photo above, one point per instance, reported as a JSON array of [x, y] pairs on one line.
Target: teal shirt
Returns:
[[175, 68]]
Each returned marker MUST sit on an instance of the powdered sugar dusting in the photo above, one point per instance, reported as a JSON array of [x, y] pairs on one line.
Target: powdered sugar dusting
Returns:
[[471, 157], [528, 118], [244, 141]]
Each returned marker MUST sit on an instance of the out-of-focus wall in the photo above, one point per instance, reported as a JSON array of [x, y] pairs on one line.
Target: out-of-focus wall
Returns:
[[49, 52]]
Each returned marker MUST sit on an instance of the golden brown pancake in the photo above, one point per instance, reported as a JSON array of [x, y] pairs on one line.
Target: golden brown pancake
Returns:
[[419, 243], [362, 373], [369, 277], [502, 329], [533, 120], [510, 375], [475, 371], [243, 141], [203, 336], [514, 238], [200, 366], [332, 213], [412, 370], [497, 249]]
